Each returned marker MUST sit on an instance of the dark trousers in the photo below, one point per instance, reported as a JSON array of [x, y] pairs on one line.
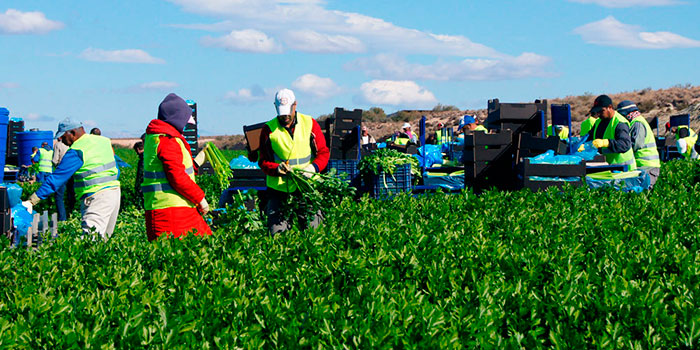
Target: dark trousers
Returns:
[[70, 197], [60, 204], [276, 220]]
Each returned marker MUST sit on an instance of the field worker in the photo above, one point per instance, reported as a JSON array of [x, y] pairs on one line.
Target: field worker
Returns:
[[96, 131], [366, 137], [561, 131], [643, 142], [90, 161], [405, 135], [683, 131], [290, 140], [587, 125], [468, 123], [171, 196], [611, 133], [59, 150], [45, 157], [441, 134]]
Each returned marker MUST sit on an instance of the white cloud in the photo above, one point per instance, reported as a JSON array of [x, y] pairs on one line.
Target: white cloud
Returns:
[[334, 31], [629, 3], [248, 40], [248, 96], [154, 86], [312, 41], [611, 32], [36, 117], [316, 86], [394, 67], [388, 92], [17, 22], [120, 56], [9, 85]]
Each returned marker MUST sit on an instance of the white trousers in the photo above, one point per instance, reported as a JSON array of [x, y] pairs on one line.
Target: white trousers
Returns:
[[100, 212]]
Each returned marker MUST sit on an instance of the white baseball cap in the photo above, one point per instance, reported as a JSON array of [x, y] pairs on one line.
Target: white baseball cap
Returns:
[[406, 125], [284, 99]]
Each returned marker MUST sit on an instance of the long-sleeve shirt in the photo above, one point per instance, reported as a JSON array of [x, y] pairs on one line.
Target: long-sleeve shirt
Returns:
[[72, 161], [59, 150], [318, 147], [622, 141], [638, 133]]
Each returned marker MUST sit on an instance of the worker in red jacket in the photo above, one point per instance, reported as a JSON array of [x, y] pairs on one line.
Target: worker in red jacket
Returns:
[[172, 199], [290, 140]]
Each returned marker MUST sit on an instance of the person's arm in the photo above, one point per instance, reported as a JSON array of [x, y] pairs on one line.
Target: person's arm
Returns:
[[70, 163], [266, 155], [622, 142], [322, 153], [170, 153], [637, 134]]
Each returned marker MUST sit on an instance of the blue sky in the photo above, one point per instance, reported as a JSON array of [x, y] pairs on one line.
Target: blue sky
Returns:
[[110, 63]]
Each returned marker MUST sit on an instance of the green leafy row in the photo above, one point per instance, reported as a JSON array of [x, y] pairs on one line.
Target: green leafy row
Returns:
[[564, 269]]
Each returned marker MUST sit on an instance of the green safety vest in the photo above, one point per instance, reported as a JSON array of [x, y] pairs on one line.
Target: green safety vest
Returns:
[[296, 150], [563, 134], [401, 141], [587, 125], [481, 128], [648, 155], [157, 192], [690, 143], [690, 131], [99, 169], [626, 158], [45, 161]]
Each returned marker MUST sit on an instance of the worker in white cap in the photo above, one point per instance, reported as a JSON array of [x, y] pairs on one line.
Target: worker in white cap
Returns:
[[290, 141], [405, 135]]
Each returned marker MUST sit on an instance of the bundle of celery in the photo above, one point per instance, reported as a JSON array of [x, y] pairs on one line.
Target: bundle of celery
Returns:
[[318, 192], [219, 163]]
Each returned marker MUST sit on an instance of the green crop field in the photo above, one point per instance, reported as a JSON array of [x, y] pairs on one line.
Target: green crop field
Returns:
[[567, 269]]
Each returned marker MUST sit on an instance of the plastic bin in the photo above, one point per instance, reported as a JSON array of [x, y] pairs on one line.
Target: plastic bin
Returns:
[[346, 169], [27, 140], [387, 185]]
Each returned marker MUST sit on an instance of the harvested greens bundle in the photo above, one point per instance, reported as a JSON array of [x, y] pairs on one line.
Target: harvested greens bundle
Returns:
[[386, 160], [219, 163], [316, 193]]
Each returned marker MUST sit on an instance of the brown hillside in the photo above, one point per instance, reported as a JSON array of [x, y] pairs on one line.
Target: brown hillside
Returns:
[[661, 103]]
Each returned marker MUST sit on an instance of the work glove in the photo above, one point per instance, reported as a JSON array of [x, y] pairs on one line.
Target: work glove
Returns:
[[284, 169], [581, 148], [601, 143], [204, 206], [309, 170], [201, 156]]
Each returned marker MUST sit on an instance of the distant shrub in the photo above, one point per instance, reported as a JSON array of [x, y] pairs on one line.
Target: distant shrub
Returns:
[[444, 108], [405, 116], [374, 114], [646, 106]]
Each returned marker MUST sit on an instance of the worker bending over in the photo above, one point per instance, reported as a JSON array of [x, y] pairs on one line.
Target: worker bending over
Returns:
[[646, 154], [90, 161]]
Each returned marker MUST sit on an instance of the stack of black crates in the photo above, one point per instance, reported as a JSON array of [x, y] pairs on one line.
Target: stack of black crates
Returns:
[[191, 136], [488, 160], [12, 154]]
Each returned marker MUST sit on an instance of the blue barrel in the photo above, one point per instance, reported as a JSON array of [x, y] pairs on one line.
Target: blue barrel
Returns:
[[28, 139], [4, 120]]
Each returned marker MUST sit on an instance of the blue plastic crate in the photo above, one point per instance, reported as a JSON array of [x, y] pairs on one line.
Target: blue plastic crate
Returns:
[[455, 155], [387, 185], [346, 169]]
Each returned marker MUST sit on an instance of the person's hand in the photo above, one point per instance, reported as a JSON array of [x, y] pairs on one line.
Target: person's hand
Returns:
[[601, 143], [284, 169], [202, 155], [204, 206], [309, 170], [29, 206]]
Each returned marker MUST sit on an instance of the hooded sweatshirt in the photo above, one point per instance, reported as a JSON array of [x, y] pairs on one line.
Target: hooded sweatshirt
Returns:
[[173, 114]]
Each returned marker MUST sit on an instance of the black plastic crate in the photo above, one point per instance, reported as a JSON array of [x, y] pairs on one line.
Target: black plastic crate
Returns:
[[346, 169], [387, 185]]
